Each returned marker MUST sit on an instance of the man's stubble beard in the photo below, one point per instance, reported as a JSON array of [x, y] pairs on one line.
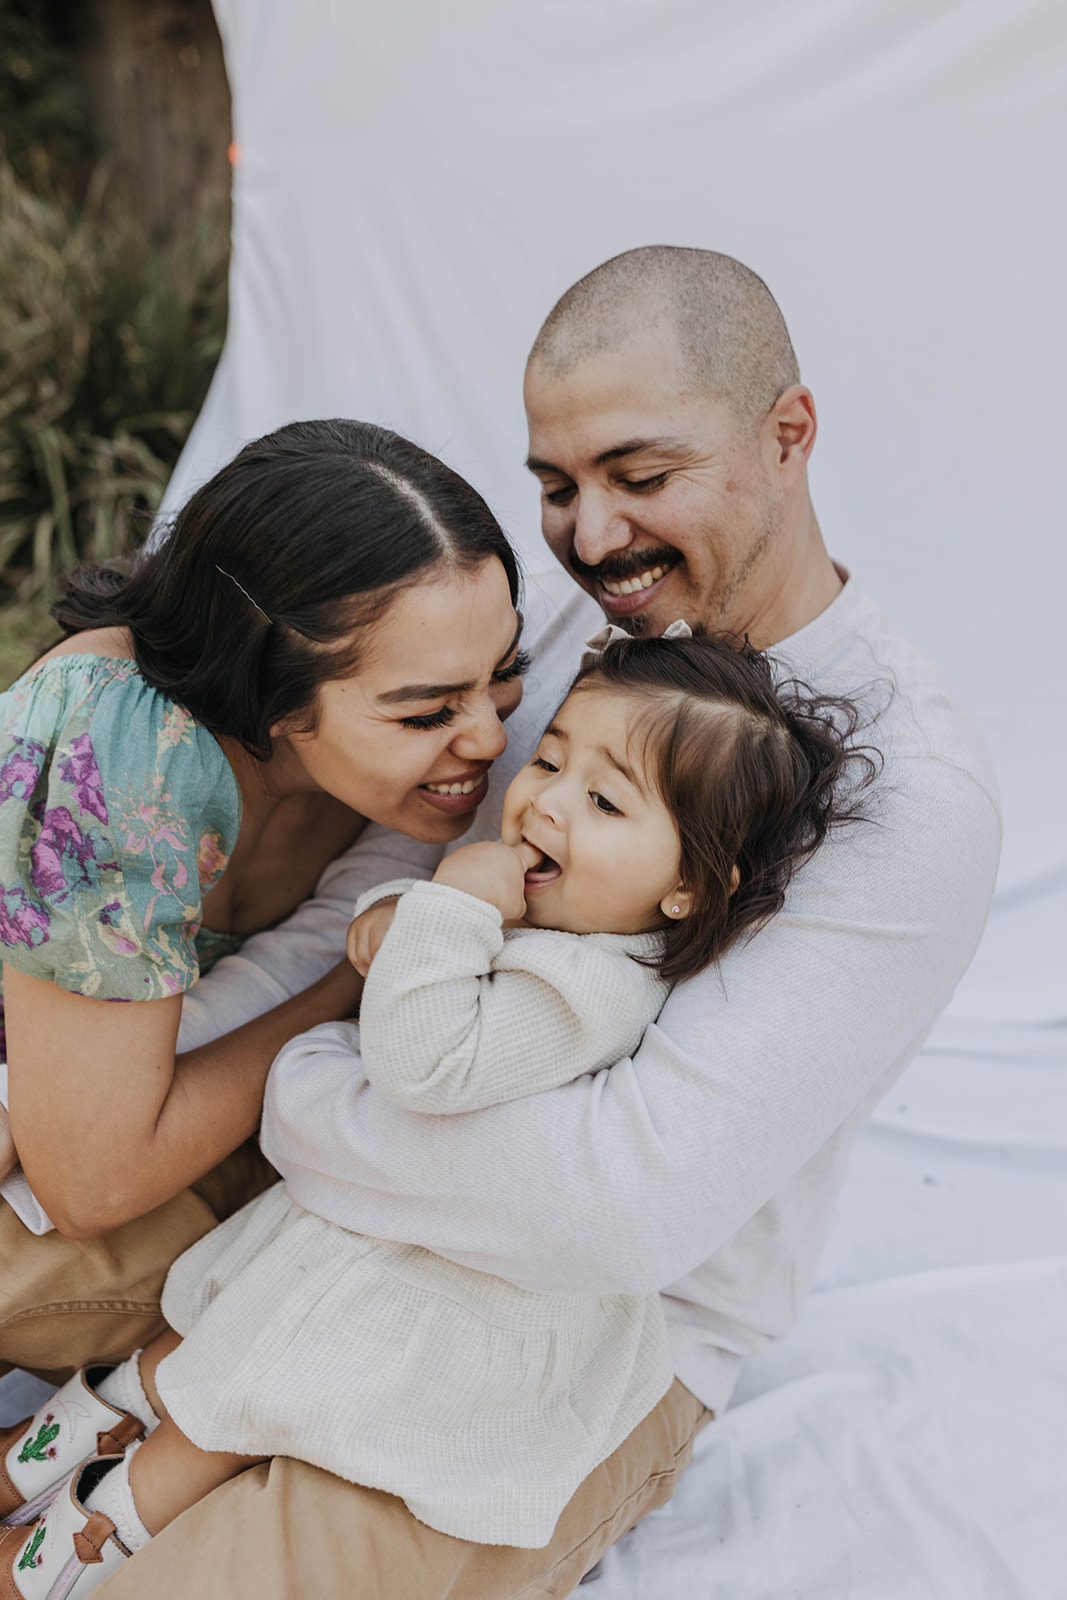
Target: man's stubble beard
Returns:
[[720, 603]]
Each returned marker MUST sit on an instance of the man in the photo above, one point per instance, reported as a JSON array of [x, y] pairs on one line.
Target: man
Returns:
[[671, 436]]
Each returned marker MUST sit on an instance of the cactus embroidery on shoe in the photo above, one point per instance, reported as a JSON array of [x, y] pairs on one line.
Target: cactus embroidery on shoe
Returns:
[[29, 1557], [42, 1448]]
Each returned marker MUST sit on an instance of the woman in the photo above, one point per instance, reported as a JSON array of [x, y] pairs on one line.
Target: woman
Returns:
[[328, 635]]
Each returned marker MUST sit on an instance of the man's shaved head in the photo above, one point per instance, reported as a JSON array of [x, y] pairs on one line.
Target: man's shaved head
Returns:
[[731, 337]]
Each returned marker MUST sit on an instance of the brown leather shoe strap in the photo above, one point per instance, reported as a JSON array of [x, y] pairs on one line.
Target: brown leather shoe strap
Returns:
[[113, 1441], [89, 1543], [10, 1497]]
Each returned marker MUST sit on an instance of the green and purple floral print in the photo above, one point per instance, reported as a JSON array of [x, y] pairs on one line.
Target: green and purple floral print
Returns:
[[118, 812]]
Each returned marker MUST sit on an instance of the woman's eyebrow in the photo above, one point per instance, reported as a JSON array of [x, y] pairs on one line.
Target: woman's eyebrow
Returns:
[[420, 691], [436, 691]]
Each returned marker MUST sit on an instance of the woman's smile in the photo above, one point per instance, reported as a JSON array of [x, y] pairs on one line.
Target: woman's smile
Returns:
[[410, 737], [458, 795]]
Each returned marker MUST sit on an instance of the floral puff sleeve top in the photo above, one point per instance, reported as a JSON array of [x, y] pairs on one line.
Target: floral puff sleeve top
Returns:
[[118, 812]]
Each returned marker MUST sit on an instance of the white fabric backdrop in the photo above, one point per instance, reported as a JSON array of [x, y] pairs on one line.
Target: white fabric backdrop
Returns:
[[418, 183]]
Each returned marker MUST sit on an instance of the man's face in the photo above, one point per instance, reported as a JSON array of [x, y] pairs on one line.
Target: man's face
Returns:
[[655, 499]]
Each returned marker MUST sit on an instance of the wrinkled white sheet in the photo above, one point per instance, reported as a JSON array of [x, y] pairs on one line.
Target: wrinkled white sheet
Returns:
[[418, 183], [908, 1440]]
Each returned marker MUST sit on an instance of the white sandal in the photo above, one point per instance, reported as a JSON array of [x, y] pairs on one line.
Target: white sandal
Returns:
[[69, 1551], [37, 1456]]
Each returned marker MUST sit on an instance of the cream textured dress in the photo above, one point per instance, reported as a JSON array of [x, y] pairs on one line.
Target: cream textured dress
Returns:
[[481, 1404]]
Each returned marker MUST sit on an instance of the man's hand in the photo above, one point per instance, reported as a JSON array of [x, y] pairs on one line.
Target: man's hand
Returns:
[[366, 933], [8, 1155], [491, 872]]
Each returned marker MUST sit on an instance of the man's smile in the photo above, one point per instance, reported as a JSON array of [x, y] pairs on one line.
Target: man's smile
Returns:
[[626, 583], [618, 570]]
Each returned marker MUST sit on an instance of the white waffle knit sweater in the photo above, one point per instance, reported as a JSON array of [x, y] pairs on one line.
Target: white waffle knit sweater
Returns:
[[481, 1404], [460, 1013]]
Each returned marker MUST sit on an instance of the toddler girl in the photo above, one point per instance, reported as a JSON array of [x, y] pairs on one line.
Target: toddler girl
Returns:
[[660, 820]]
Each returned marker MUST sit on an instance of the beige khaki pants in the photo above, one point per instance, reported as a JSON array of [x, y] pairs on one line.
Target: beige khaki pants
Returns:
[[64, 1302], [287, 1531]]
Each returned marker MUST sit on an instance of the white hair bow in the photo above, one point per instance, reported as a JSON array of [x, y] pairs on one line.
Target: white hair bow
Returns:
[[612, 634]]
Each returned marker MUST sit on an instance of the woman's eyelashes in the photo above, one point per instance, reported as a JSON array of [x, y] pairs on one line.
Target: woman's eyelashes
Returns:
[[516, 667], [433, 719]]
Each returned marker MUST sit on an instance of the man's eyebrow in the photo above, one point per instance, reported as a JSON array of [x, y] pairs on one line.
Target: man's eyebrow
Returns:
[[634, 447], [629, 447], [438, 691]]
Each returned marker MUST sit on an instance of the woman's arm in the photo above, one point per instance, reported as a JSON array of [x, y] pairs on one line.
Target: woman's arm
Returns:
[[107, 1121]]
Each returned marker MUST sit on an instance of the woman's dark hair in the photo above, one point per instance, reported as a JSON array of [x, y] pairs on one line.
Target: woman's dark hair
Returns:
[[753, 774], [252, 599]]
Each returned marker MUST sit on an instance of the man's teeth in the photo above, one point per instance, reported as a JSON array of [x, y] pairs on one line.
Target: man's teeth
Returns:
[[453, 788], [644, 580]]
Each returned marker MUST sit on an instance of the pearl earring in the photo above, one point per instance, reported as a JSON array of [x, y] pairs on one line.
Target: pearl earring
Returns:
[[676, 911]]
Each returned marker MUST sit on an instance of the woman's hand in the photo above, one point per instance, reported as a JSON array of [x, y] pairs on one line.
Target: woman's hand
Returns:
[[8, 1154], [107, 1122], [491, 872]]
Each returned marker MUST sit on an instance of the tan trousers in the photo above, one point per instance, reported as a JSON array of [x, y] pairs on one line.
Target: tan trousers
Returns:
[[285, 1530], [64, 1302]]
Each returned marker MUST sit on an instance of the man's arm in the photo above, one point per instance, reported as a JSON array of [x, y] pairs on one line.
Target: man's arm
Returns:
[[625, 1181]]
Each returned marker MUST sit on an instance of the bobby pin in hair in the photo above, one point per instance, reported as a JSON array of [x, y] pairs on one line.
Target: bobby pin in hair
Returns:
[[245, 592]]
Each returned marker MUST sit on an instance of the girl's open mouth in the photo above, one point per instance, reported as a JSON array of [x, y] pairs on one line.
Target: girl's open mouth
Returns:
[[546, 871]]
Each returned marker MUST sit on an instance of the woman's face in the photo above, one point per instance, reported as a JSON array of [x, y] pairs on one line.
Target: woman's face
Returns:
[[409, 739]]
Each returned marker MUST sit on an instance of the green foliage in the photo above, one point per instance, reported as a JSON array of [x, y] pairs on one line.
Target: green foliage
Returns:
[[107, 344], [43, 115]]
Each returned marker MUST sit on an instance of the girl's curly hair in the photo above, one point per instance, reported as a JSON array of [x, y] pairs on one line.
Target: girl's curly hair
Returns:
[[754, 774]]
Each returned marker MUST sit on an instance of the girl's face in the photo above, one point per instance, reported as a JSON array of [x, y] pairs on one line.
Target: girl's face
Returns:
[[409, 739], [610, 847]]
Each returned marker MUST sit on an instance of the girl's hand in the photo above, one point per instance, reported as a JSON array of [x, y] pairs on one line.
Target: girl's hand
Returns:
[[491, 872], [8, 1154], [366, 933]]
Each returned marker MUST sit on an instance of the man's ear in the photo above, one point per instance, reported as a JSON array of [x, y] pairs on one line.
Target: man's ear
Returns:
[[793, 424], [677, 904]]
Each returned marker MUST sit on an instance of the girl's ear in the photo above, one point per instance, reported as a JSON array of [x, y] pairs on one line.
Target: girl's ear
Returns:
[[735, 879], [677, 904]]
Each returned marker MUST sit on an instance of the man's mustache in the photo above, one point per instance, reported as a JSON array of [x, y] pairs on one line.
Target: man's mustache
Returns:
[[616, 569]]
